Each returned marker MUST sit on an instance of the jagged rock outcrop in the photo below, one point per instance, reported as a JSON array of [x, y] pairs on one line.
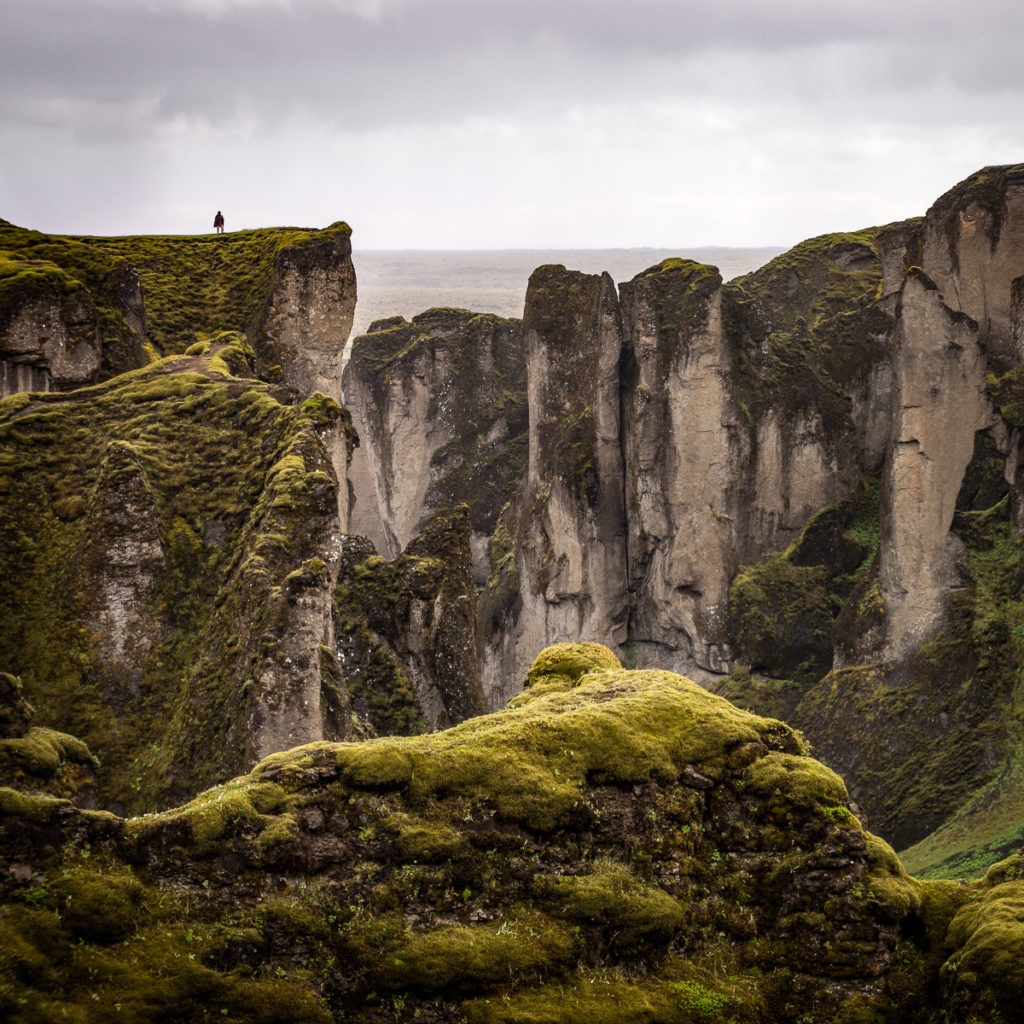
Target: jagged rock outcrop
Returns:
[[406, 630], [303, 326], [440, 408], [560, 551], [49, 328], [170, 545], [617, 845]]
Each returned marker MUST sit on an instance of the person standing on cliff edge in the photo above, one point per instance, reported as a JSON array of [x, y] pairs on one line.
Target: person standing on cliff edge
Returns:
[[218, 222]]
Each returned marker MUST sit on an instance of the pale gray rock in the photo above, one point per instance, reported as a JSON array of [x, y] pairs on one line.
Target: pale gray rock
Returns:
[[305, 322], [940, 404], [567, 526], [440, 407]]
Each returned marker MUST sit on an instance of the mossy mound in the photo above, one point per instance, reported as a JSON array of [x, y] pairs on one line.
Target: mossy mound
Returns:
[[982, 975], [629, 847], [154, 531]]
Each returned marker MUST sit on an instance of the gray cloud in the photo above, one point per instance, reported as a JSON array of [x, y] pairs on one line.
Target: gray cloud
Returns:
[[433, 116], [430, 60]]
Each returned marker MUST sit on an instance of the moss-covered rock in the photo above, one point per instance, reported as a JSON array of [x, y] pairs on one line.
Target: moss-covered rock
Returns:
[[626, 846], [162, 293], [406, 630], [161, 537]]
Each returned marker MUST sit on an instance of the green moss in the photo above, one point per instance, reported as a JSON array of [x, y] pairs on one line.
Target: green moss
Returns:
[[629, 847], [563, 665], [629, 914], [422, 841], [43, 753], [799, 780], [610, 999], [987, 939], [520, 949], [530, 765], [783, 609]]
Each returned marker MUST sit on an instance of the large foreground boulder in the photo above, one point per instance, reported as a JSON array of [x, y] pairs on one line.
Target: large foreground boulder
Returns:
[[616, 845]]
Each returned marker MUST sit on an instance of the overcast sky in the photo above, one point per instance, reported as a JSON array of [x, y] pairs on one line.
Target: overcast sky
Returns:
[[502, 123]]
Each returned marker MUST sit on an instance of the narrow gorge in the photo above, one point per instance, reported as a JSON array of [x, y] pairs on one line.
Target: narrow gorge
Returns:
[[480, 680]]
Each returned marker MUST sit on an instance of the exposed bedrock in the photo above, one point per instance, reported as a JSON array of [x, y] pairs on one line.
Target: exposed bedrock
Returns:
[[304, 324], [49, 331], [560, 550], [406, 631], [440, 408], [686, 447], [939, 405], [746, 409]]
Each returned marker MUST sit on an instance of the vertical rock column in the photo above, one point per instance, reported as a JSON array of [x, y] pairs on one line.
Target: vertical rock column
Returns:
[[940, 376], [301, 332], [684, 455], [569, 519]]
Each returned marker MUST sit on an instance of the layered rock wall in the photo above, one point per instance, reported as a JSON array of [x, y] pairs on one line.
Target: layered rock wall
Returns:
[[440, 407]]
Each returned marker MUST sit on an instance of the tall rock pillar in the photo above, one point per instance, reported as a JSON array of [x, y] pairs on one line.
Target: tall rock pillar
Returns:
[[566, 528]]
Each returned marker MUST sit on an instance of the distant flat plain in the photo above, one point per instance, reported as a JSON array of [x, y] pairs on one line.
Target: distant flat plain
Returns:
[[407, 282]]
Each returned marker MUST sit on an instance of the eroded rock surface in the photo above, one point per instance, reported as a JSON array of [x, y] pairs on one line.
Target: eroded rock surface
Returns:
[[406, 630], [561, 547], [440, 408]]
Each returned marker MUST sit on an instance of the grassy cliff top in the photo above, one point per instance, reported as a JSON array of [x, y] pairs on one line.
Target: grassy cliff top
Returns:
[[191, 283]]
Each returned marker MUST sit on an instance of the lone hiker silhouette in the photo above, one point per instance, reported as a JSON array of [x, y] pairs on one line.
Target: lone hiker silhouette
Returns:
[[218, 222]]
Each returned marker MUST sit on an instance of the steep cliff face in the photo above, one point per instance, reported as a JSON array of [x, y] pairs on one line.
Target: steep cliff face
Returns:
[[686, 447], [303, 326], [926, 649], [169, 543], [820, 471], [49, 328], [440, 408], [616, 845], [560, 551], [406, 630]]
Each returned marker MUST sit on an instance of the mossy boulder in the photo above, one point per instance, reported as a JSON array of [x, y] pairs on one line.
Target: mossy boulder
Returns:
[[628, 846]]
